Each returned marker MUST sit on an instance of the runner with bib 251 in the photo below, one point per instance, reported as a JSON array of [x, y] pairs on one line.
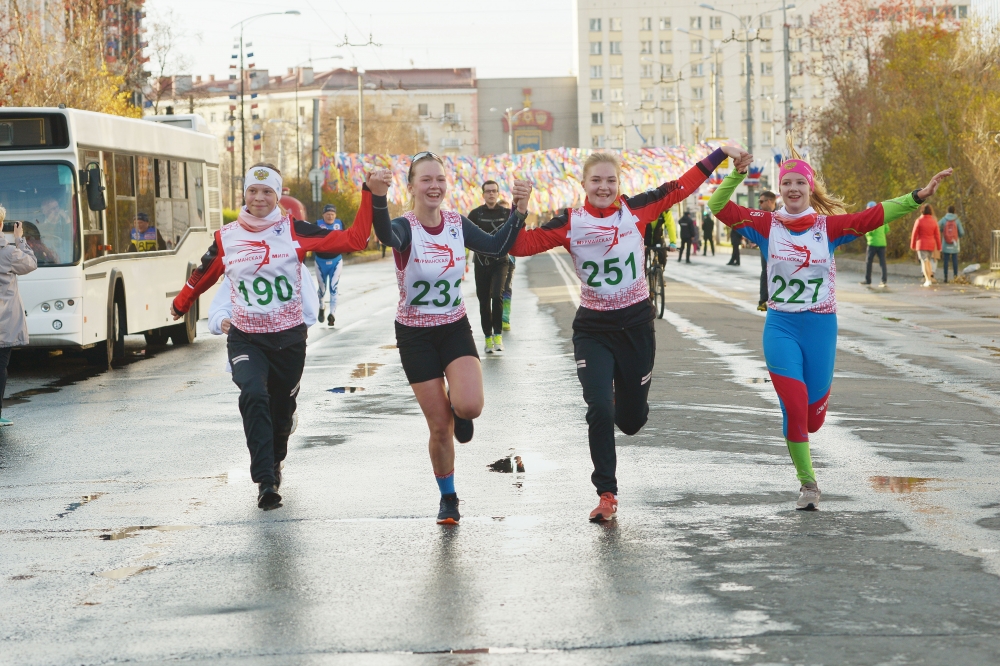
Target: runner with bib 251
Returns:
[[613, 336], [800, 332], [433, 334]]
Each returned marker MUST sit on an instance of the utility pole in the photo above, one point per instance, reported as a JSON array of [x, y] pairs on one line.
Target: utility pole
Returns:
[[340, 134], [315, 173], [361, 113], [788, 70]]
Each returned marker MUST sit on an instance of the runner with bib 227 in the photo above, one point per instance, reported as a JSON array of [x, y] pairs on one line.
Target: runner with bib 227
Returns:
[[613, 336]]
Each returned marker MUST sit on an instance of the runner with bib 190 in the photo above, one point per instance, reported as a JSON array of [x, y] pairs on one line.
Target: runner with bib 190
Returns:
[[261, 253], [613, 336], [433, 334], [800, 332]]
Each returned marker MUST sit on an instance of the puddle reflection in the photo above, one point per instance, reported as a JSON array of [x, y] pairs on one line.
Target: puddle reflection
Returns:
[[507, 465], [365, 370], [346, 389], [128, 532], [76, 505], [902, 484]]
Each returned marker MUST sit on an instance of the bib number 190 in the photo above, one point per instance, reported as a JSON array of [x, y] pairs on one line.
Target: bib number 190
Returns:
[[266, 292], [798, 287], [443, 296]]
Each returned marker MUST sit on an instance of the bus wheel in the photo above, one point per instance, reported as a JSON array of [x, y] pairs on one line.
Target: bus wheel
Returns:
[[113, 348], [185, 332]]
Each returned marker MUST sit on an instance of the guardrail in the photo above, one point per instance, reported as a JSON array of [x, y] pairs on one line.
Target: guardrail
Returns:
[[995, 251]]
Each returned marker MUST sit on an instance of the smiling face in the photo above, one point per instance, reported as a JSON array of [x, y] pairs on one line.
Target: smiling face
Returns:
[[428, 185], [601, 185], [794, 190], [261, 200]]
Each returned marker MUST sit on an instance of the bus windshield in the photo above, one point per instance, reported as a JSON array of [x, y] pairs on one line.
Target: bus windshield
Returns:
[[40, 196]]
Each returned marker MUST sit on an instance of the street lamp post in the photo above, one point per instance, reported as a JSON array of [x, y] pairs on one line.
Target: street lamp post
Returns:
[[243, 132], [677, 95], [510, 114]]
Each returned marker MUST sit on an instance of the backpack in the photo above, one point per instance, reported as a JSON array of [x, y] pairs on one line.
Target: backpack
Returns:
[[950, 232]]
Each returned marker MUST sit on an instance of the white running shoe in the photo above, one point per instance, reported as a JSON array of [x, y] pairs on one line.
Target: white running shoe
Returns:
[[808, 497], [927, 283], [489, 344]]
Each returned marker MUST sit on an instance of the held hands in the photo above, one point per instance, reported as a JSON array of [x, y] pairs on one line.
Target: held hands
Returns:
[[741, 158], [521, 193], [379, 181], [932, 186]]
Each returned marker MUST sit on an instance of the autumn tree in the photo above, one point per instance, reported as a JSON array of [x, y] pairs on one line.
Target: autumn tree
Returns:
[[393, 132]]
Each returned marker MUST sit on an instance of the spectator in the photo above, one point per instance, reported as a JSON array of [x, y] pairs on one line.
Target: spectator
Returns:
[[735, 238], [688, 233], [15, 259], [876, 248], [951, 230], [926, 240], [708, 232]]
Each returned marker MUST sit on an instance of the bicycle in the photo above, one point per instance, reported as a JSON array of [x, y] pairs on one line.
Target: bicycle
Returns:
[[654, 276]]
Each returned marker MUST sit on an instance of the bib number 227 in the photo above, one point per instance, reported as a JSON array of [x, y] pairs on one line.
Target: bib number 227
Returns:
[[443, 297], [797, 287]]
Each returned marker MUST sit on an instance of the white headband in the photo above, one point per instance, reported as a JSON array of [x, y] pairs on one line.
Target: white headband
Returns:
[[261, 175]]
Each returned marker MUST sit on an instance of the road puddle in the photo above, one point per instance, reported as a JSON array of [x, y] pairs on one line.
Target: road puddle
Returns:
[[902, 484], [346, 389], [388, 347], [507, 465], [895, 319], [70, 508], [124, 572], [365, 370], [315, 441], [128, 532]]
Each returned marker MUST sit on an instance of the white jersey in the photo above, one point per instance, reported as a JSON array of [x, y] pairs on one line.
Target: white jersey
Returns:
[[801, 273], [430, 284], [608, 256], [264, 277]]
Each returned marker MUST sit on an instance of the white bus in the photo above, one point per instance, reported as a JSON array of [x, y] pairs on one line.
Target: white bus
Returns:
[[118, 212]]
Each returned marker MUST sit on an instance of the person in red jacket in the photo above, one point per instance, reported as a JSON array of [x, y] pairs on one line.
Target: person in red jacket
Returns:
[[613, 335], [926, 240], [260, 252]]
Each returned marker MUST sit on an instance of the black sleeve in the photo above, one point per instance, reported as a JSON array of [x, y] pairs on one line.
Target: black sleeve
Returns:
[[560, 220], [474, 216], [392, 233], [492, 245], [209, 257], [309, 230]]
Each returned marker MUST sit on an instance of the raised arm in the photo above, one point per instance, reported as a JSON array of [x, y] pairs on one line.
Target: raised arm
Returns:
[[651, 204], [553, 233], [354, 239], [496, 244], [752, 224]]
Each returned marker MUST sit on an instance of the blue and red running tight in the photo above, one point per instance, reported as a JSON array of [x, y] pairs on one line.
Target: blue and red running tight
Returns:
[[800, 348]]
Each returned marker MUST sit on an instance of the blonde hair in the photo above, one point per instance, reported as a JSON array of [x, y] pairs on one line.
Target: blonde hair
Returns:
[[824, 202], [602, 158]]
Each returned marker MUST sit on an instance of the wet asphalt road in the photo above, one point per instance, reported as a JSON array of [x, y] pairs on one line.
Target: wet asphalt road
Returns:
[[129, 530]]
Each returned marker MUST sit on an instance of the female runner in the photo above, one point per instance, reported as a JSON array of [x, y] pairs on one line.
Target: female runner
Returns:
[[613, 336], [800, 332], [260, 253], [432, 331]]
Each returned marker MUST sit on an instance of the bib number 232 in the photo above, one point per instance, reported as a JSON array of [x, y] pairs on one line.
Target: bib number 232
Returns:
[[797, 288], [443, 297]]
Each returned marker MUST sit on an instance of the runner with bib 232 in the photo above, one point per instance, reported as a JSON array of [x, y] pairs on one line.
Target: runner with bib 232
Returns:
[[613, 336], [433, 334], [800, 332]]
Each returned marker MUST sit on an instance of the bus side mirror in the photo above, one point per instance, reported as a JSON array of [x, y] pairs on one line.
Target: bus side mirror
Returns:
[[95, 188]]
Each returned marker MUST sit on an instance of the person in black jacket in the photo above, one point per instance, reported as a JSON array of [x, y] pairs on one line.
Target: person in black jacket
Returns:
[[735, 238], [708, 232], [491, 272], [688, 234]]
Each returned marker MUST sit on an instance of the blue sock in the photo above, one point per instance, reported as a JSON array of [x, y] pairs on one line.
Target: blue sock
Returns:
[[446, 483]]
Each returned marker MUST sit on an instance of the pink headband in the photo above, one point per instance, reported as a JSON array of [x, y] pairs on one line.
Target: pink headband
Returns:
[[800, 167]]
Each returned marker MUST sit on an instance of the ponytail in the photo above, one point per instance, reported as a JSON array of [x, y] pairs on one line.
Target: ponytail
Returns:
[[821, 200]]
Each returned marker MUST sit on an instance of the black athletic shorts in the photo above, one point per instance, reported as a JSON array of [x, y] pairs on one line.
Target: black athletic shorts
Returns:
[[427, 350]]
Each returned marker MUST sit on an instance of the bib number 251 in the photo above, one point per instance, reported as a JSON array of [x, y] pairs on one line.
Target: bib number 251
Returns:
[[797, 287], [443, 297], [612, 273]]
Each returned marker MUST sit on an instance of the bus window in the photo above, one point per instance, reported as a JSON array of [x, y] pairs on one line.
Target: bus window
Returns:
[[109, 213], [93, 231], [145, 236], [40, 196], [125, 209], [199, 194], [178, 180], [178, 193], [162, 179]]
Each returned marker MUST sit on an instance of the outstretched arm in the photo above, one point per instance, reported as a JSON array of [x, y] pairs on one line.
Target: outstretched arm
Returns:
[[553, 233], [202, 278]]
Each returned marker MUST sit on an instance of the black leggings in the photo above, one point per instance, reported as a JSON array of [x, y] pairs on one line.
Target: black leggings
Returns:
[[4, 360], [268, 378], [615, 369], [490, 280]]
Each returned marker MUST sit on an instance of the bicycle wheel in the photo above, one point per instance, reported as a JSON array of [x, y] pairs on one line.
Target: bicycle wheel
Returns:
[[658, 293]]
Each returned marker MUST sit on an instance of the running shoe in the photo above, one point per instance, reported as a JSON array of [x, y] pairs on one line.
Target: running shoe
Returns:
[[329, 321], [5, 422], [277, 476], [489, 344], [808, 497], [448, 513], [882, 285], [927, 283], [762, 307], [268, 497], [322, 315], [464, 429], [506, 326], [865, 284], [498, 343], [606, 510]]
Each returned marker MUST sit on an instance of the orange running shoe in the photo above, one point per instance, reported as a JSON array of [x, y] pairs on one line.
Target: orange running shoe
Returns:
[[606, 510]]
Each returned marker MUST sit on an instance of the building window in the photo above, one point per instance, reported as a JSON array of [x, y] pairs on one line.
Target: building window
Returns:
[[449, 109], [765, 46], [666, 71], [646, 72], [595, 48], [794, 91], [765, 21], [665, 46], [596, 141], [765, 115], [617, 95], [617, 119], [696, 46], [715, 22], [767, 69], [668, 117], [696, 23], [647, 118], [615, 48], [595, 25], [422, 110], [616, 71], [615, 24], [597, 118], [597, 94], [211, 118], [646, 48], [666, 93], [697, 93], [697, 69], [647, 94], [646, 23], [596, 71], [665, 23]]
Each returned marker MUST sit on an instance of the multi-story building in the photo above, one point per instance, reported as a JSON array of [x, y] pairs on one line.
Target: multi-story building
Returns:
[[543, 111], [662, 72]]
